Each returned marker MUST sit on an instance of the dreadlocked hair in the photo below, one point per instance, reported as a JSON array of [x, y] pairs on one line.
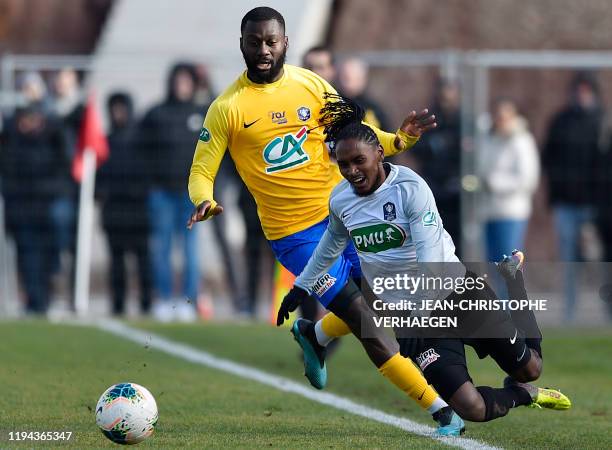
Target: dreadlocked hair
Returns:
[[342, 118]]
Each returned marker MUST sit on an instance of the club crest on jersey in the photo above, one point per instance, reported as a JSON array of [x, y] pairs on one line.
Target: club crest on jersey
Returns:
[[303, 113], [205, 135], [429, 219], [378, 238], [389, 211], [286, 152], [278, 117]]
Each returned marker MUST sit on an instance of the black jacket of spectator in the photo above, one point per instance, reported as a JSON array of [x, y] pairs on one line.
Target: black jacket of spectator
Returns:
[[122, 180], [439, 155], [33, 163], [570, 156], [168, 135]]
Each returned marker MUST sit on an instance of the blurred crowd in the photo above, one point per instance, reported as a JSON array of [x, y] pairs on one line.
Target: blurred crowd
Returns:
[[142, 188]]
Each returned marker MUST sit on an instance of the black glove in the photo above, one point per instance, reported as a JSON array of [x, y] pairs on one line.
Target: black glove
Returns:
[[292, 300]]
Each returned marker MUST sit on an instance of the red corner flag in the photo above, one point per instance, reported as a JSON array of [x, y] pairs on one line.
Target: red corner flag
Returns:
[[91, 137]]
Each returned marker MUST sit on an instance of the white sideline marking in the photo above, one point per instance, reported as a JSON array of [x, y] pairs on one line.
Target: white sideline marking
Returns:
[[197, 356]]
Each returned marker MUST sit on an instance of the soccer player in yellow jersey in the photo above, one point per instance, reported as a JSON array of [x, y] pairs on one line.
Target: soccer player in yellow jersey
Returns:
[[269, 120]]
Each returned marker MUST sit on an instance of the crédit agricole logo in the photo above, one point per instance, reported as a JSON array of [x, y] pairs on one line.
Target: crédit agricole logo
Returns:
[[285, 152]]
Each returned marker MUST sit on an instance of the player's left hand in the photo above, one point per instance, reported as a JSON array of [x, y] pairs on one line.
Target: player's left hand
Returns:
[[292, 300], [415, 125], [203, 212]]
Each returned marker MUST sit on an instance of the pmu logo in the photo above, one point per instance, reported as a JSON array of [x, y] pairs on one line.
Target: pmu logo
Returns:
[[378, 238], [286, 152]]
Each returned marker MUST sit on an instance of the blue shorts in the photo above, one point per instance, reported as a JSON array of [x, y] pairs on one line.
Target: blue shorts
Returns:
[[295, 250]]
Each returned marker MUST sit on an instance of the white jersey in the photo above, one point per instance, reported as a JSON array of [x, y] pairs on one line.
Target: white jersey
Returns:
[[392, 229]]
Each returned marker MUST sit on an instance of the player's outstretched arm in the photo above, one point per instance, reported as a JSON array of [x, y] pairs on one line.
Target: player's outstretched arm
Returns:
[[414, 125], [412, 128]]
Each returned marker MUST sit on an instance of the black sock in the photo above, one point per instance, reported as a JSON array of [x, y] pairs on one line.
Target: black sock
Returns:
[[499, 401], [524, 319]]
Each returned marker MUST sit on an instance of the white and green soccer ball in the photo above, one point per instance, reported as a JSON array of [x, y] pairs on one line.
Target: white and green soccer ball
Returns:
[[126, 413]]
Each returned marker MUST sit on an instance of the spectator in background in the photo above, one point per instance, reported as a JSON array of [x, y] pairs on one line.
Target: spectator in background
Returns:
[[67, 101], [123, 193], [604, 212], [569, 160], [32, 162], [67, 105], [320, 60], [204, 94], [33, 91], [438, 155], [353, 81], [167, 135], [510, 171], [257, 254]]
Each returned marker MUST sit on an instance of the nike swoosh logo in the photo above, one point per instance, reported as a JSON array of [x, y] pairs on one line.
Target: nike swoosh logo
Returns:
[[522, 354], [513, 340], [421, 397], [247, 125]]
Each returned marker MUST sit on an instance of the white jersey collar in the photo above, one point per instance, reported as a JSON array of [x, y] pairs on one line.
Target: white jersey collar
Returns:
[[388, 180]]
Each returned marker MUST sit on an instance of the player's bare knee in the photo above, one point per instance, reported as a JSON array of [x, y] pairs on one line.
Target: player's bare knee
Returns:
[[530, 371], [533, 370], [468, 403]]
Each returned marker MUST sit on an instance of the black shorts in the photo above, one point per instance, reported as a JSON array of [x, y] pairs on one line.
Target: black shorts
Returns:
[[443, 362]]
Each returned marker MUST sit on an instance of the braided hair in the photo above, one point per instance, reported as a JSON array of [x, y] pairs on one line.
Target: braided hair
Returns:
[[342, 118]]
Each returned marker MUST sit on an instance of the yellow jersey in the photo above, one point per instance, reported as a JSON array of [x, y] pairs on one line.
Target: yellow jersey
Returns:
[[274, 138]]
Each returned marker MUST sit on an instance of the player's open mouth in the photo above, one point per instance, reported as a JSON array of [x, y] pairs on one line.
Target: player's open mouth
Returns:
[[359, 181], [264, 65]]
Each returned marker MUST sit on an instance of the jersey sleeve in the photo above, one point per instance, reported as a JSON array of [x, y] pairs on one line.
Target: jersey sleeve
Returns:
[[330, 247], [209, 151], [387, 140]]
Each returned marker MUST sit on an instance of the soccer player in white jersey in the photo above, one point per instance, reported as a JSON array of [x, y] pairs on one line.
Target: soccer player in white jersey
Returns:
[[389, 213]]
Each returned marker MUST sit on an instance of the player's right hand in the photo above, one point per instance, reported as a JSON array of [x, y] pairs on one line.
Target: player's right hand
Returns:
[[292, 300], [203, 212]]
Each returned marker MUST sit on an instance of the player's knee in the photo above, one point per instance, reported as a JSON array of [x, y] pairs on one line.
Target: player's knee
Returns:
[[473, 410], [531, 371], [468, 403]]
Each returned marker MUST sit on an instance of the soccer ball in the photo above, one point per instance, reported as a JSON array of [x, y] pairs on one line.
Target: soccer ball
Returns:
[[126, 413]]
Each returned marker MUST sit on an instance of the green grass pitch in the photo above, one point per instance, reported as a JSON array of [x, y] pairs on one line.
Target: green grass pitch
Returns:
[[51, 377]]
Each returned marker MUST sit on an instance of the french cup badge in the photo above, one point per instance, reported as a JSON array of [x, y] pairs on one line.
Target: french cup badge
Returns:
[[303, 113], [389, 211]]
